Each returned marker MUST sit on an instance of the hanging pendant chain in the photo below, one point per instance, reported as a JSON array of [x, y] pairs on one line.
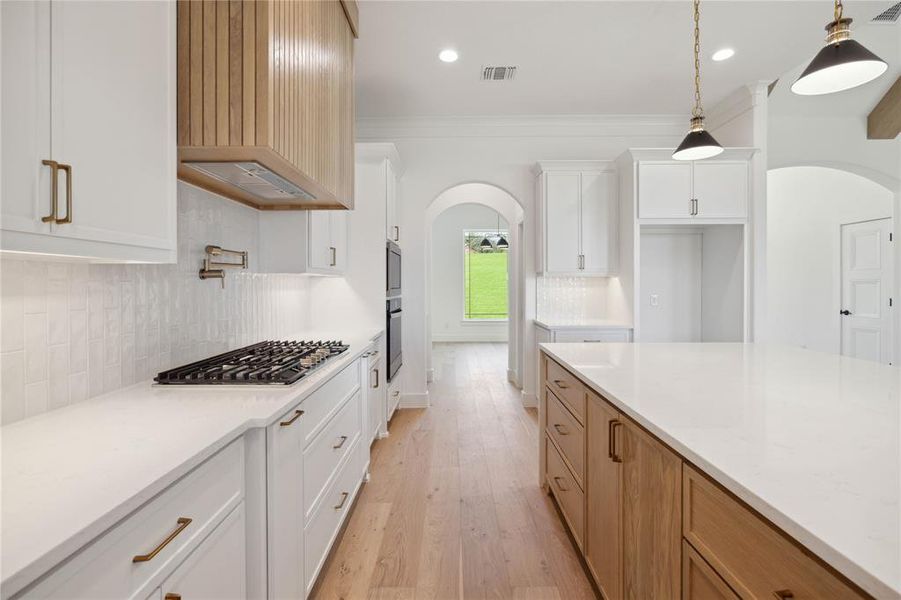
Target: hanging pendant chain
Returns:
[[838, 10], [697, 111]]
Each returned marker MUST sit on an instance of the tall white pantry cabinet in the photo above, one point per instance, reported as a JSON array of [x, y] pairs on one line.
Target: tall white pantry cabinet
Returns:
[[577, 229], [88, 145]]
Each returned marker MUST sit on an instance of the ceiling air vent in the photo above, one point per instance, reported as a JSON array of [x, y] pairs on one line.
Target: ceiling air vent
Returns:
[[498, 73], [889, 15]]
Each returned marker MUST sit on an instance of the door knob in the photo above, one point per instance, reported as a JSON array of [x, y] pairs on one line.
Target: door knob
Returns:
[[845, 312]]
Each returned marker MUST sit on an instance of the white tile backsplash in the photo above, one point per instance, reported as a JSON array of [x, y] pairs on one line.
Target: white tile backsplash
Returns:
[[71, 331], [571, 299]]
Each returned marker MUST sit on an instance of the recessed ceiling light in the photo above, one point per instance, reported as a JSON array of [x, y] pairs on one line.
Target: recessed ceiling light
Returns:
[[723, 54], [448, 55]]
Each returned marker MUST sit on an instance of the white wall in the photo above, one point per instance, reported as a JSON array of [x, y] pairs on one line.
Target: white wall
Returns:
[[71, 331], [447, 302], [441, 153], [807, 206]]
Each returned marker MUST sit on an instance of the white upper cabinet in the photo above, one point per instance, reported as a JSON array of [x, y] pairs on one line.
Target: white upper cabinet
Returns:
[[103, 120], [379, 185], [303, 241], [709, 189], [392, 229], [578, 231]]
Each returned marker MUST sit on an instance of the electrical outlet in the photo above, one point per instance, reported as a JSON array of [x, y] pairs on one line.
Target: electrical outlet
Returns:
[[655, 300]]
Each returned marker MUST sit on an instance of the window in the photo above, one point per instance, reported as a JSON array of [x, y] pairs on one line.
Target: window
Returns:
[[484, 276]]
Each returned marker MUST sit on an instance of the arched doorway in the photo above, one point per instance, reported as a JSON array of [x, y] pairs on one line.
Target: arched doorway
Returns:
[[495, 200]]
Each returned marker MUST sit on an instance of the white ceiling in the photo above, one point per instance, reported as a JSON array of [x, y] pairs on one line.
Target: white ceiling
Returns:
[[625, 57]]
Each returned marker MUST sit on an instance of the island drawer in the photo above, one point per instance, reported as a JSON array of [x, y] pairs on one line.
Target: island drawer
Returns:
[[133, 556], [569, 436], [727, 534], [567, 388], [699, 580], [568, 494]]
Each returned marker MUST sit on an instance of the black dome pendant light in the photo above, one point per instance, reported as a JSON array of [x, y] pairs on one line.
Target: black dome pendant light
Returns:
[[501, 241], [841, 64], [485, 244], [698, 144]]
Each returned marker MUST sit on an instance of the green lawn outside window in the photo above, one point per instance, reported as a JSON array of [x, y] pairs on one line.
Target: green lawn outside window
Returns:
[[484, 277]]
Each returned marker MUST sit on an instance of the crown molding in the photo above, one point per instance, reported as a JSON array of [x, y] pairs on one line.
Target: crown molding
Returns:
[[576, 126], [375, 152]]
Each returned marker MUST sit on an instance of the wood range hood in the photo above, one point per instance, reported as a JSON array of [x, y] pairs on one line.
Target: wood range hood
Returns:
[[266, 102]]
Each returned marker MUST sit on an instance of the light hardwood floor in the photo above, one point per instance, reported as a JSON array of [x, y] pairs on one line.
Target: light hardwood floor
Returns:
[[453, 509]]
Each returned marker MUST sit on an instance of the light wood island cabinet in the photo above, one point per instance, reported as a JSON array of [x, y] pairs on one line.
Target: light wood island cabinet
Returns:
[[649, 524]]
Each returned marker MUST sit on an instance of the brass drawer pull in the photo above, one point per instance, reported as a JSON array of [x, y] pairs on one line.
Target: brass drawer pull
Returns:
[[560, 429], [172, 597], [297, 415], [54, 192], [182, 523], [344, 496], [343, 439], [783, 594], [557, 480], [376, 384], [561, 384], [611, 440], [334, 253], [68, 217]]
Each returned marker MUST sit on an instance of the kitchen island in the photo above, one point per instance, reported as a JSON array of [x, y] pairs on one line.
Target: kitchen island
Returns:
[[793, 453]]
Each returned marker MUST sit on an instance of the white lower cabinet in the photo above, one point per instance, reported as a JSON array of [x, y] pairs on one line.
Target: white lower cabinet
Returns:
[[196, 539], [216, 570]]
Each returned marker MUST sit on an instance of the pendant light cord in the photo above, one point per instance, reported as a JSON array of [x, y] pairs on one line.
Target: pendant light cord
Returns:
[[697, 112]]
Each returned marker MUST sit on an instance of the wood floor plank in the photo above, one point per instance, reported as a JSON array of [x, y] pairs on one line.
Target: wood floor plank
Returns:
[[453, 510]]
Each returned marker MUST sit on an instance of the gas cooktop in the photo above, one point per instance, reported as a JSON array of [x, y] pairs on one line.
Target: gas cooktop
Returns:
[[270, 362]]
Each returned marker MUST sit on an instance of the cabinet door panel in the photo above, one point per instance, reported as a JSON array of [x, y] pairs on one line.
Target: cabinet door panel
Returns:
[[113, 119], [599, 223], [338, 229], [216, 569], [664, 190], [561, 234], [721, 189], [652, 524], [25, 117], [392, 229], [603, 538], [699, 581], [320, 240]]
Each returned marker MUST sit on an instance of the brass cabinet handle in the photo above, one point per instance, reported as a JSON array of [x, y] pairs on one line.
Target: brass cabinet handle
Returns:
[[68, 217], [343, 439], [557, 480], [334, 256], [172, 597], [297, 415], [560, 429], [182, 523], [344, 496], [396, 233], [561, 384], [376, 384], [611, 440], [54, 193], [783, 594]]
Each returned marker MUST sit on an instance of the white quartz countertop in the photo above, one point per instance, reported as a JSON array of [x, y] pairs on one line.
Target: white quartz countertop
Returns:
[[581, 324], [69, 474], [809, 440]]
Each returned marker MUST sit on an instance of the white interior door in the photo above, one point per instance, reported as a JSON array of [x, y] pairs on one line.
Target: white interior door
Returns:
[[670, 287], [561, 235], [867, 290]]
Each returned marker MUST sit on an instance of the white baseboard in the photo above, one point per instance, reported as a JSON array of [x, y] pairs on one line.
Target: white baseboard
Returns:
[[429, 375], [511, 377], [473, 336], [529, 400], [414, 401]]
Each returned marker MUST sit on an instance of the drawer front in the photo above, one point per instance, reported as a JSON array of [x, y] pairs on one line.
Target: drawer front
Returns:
[[325, 453], [568, 494], [567, 388], [592, 335], [322, 404], [726, 533], [699, 580], [326, 521], [106, 569], [568, 434]]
